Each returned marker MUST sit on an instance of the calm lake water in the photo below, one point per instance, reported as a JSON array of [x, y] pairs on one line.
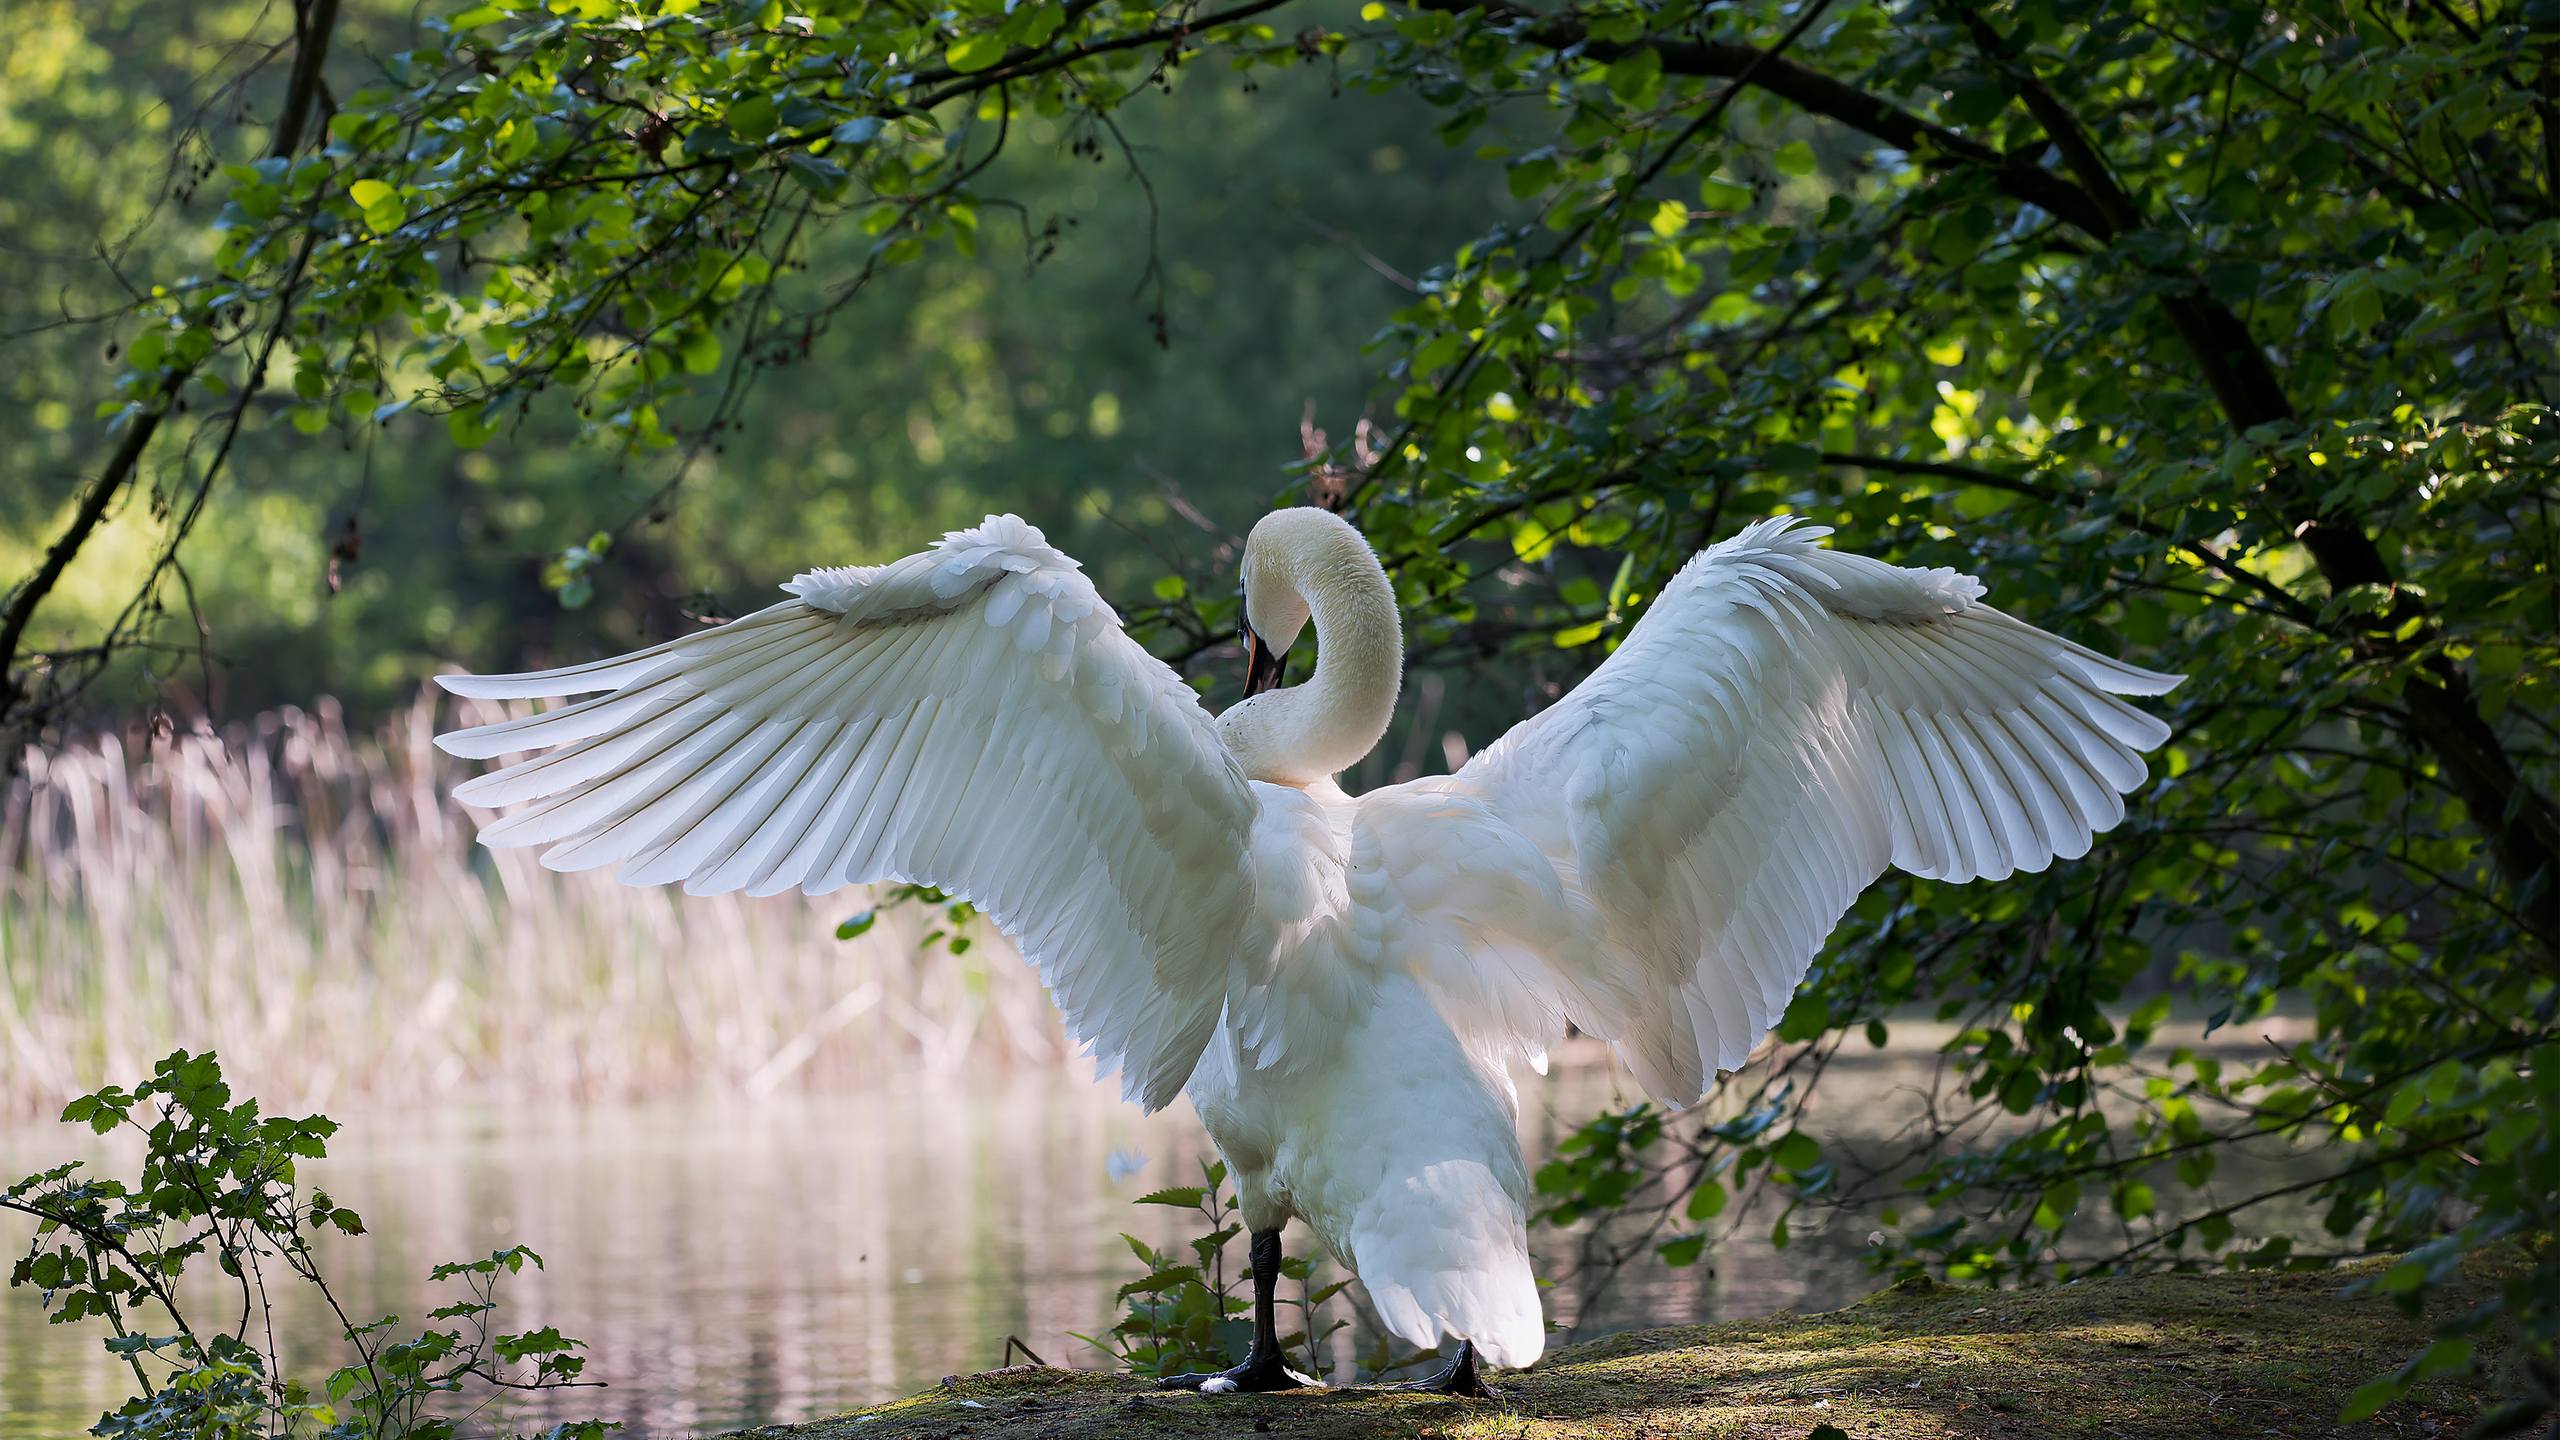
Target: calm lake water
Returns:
[[734, 1264]]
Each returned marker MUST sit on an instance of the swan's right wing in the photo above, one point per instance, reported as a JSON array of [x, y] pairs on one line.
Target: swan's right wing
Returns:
[[972, 718], [1784, 723]]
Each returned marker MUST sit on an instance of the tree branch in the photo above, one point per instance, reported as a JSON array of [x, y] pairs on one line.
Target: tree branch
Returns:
[[1871, 114], [2291, 607], [2521, 824], [313, 26], [101, 493]]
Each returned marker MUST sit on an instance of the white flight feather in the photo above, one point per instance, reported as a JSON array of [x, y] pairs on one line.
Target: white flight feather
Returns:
[[868, 727], [1878, 714]]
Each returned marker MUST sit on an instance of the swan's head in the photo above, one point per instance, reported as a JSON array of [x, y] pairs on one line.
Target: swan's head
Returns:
[[1299, 565], [1275, 608]]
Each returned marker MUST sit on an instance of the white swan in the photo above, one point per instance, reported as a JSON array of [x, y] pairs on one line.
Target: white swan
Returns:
[[1344, 981]]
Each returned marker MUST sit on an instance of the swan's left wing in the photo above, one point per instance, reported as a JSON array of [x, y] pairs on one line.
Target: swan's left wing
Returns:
[[1784, 723], [971, 717]]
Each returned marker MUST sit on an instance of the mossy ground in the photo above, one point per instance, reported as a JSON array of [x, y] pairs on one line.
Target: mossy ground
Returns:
[[2157, 1356]]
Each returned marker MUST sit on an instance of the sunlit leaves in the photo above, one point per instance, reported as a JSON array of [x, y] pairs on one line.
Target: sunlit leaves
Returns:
[[558, 207], [1790, 296], [219, 1183], [974, 53]]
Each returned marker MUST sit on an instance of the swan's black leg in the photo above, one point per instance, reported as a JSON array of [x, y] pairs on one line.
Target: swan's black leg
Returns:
[[1458, 1378], [1263, 1368]]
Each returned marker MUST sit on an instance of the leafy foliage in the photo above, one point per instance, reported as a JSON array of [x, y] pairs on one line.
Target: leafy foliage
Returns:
[[2240, 352], [953, 930], [1195, 1314], [352, 562], [219, 1182]]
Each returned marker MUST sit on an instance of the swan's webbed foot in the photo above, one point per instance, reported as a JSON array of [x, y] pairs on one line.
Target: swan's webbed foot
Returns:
[[1458, 1378], [1262, 1372]]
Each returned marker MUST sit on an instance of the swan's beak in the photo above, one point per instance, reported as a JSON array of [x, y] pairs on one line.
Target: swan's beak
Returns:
[[1261, 664]]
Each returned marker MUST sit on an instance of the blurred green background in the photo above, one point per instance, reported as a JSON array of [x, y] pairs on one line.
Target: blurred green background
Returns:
[[952, 388]]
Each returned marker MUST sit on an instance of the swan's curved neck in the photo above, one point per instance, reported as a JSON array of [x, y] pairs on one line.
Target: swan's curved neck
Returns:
[[1351, 697], [1308, 732]]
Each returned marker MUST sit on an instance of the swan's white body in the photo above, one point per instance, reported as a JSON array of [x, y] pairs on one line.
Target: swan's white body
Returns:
[[1344, 983]]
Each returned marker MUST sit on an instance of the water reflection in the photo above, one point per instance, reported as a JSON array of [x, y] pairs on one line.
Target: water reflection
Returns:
[[733, 1264]]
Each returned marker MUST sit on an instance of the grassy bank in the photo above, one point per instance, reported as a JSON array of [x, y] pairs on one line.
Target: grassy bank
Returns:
[[2156, 1356]]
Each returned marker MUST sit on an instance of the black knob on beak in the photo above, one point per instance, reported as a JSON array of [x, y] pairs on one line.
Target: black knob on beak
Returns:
[[1262, 664]]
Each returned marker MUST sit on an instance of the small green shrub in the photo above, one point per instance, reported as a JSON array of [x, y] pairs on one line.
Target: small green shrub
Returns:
[[220, 1181], [1196, 1314]]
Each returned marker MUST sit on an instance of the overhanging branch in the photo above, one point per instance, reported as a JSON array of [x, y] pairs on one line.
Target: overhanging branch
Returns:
[[1926, 141], [2276, 595], [313, 27], [2523, 826]]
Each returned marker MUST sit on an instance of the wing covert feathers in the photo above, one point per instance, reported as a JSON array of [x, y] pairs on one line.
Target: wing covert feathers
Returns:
[[971, 717], [1784, 723]]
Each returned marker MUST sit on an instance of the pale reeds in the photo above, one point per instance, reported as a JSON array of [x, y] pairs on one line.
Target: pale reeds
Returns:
[[312, 906]]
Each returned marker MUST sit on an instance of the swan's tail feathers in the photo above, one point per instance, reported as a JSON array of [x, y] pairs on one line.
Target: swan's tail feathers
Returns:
[[1444, 1254]]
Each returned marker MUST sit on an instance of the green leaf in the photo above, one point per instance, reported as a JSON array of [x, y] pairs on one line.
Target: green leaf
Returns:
[[2370, 1397], [381, 204], [1723, 195], [467, 429], [817, 174], [1798, 1151], [1156, 1282], [1531, 174], [2448, 1354], [1187, 1197], [753, 117], [700, 351], [977, 52], [2404, 1278], [1981, 502], [1796, 158], [1634, 76], [1032, 25]]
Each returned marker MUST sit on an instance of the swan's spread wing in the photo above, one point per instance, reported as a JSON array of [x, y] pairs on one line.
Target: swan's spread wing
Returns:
[[1783, 723], [971, 717]]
